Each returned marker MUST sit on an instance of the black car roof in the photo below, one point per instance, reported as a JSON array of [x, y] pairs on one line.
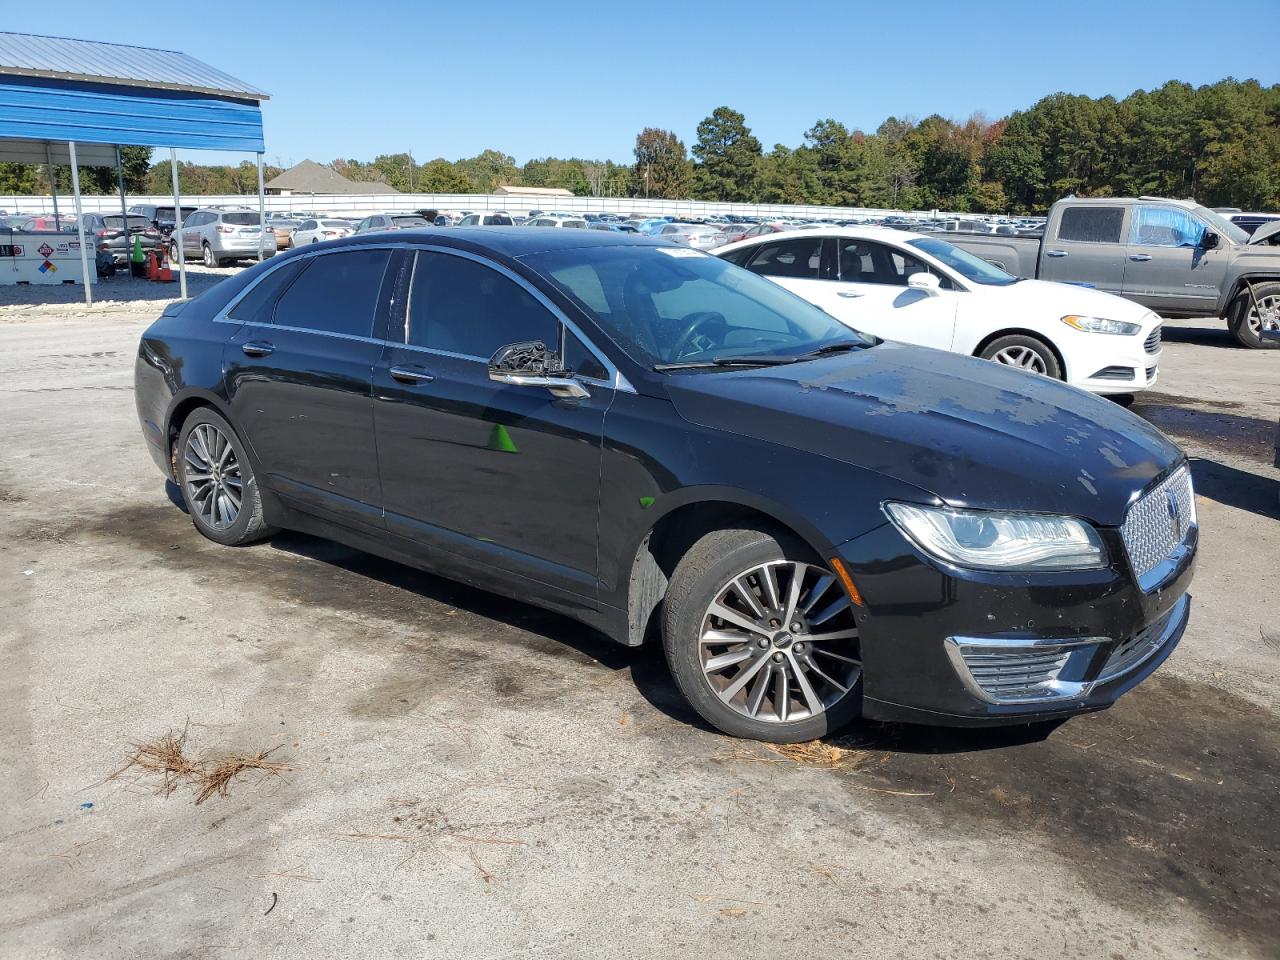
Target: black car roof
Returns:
[[511, 241]]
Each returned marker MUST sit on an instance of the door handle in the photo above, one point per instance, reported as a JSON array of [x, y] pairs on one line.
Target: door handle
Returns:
[[1139, 257], [851, 294], [1055, 253], [258, 348], [411, 374]]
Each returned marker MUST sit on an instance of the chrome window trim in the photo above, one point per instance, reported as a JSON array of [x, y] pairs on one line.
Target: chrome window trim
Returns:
[[222, 316], [616, 379]]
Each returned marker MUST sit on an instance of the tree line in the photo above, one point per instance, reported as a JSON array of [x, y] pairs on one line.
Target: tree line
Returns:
[[1219, 143]]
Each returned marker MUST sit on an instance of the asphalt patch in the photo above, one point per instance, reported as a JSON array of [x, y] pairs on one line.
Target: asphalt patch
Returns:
[[1252, 438], [1168, 797]]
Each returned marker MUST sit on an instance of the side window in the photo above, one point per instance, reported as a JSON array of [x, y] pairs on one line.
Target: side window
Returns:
[[308, 225], [581, 360], [799, 258], [738, 256], [258, 303], [1091, 224], [460, 306], [1165, 227], [336, 293], [865, 262]]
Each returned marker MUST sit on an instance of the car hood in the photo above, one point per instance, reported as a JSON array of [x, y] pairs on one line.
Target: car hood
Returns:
[[970, 432], [1060, 299], [1265, 233]]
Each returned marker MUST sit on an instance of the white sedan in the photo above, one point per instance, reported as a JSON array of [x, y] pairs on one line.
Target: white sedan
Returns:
[[315, 231], [918, 288]]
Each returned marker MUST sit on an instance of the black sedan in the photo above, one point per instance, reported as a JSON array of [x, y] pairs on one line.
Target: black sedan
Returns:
[[814, 524]]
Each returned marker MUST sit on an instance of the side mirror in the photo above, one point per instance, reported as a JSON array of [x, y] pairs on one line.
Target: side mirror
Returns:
[[531, 364], [1209, 240], [927, 283]]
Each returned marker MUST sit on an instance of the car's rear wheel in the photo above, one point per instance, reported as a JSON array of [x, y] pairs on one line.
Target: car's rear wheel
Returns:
[[1025, 353], [1248, 319], [217, 482], [761, 638], [209, 259]]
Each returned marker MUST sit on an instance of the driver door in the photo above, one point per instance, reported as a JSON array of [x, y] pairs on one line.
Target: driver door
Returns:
[[505, 476], [870, 294]]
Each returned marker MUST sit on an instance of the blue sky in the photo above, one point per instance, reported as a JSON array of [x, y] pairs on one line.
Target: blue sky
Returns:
[[581, 79]]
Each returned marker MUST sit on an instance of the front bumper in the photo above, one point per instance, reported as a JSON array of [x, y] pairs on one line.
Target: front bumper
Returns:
[[958, 647], [1127, 371]]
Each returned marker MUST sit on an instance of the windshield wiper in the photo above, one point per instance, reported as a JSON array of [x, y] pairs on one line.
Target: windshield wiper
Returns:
[[840, 346], [726, 362]]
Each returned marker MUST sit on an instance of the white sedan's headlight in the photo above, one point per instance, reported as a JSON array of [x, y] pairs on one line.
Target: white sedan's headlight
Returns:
[[986, 540], [1120, 328]]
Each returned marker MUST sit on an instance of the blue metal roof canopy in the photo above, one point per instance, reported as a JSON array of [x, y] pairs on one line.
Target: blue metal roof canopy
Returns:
[[59, 94]]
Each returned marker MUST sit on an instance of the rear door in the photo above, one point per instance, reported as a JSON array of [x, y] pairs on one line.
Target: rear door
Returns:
[[299, 375], [1088, 247], [1166, 267]]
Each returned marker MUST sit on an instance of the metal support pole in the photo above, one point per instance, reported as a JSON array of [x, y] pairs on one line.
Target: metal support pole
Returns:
[[177, 226], [124, 209], [84, 247], [53, 183], [262, 213]]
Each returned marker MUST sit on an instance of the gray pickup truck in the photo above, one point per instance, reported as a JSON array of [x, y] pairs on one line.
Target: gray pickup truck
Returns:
[[1176, 257]]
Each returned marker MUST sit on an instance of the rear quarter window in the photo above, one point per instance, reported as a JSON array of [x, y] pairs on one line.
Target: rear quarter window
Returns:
[[1091, 224]]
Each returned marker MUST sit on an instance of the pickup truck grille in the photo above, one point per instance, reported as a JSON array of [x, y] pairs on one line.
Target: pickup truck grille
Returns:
[[1152, 343], [1158, 522]]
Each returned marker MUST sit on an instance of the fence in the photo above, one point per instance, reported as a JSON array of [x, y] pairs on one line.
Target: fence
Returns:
[[365, 204]]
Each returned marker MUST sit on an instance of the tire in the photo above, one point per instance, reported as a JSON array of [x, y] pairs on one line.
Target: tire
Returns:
[[1025, 353], [734, 681], [173, 253], [209, 259], [208, 502], [1243, 319]]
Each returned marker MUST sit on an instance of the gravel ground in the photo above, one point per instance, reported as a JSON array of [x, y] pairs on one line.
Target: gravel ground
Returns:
[[471, 777]]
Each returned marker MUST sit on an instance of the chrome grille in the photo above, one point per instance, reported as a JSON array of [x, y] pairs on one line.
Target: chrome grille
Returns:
[[1158, 522], [1152, 343], [1014, 675]]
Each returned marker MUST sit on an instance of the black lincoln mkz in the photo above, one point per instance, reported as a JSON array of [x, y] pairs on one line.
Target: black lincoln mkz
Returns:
[[813, 523]]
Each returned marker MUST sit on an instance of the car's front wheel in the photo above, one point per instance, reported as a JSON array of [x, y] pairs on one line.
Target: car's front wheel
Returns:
[[217, 481], [1026, 353], [761, 638], [1251, 313]]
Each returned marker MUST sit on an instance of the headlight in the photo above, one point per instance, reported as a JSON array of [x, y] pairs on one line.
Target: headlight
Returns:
[[1000, 541], [1121, 328]]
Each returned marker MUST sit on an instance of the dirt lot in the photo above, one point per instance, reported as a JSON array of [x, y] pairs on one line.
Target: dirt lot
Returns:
[[470, 777]]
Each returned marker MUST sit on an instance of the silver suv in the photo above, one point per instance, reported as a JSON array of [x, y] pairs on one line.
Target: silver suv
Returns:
[[219, 236]]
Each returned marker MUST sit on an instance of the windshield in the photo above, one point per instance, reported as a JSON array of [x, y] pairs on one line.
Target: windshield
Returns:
[[963, 262], [404, 222], [241, 219], [1222, 225], [674, 304]]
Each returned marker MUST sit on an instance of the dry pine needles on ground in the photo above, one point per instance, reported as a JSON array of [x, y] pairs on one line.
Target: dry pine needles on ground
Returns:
[[166, 756]]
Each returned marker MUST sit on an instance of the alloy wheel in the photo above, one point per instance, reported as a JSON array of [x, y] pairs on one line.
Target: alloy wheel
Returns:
[[1265, 315], [215, 487], [779, 642], [1024, 358]]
